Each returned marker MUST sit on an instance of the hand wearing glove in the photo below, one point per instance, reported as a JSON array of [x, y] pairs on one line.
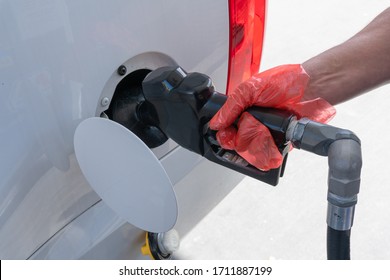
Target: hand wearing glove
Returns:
[[280, 87]]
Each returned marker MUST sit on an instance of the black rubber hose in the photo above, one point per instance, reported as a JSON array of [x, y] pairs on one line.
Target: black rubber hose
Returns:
[[338, 244]]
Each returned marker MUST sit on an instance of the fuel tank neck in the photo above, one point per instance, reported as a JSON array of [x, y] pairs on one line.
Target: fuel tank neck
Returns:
[[125, 107]]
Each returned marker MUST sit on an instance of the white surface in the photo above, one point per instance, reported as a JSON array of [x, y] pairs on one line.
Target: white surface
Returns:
[[125, 173], [257, 221]]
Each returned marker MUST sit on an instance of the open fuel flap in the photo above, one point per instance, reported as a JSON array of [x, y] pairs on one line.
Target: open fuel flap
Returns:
[[114, 154]]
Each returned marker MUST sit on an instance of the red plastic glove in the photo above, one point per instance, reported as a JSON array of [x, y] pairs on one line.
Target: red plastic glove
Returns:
[[280, 87]]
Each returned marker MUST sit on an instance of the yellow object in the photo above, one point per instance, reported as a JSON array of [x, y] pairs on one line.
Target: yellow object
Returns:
[[145, 250]]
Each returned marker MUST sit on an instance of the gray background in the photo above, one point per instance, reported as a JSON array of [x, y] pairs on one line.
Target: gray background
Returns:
[[257, 221]]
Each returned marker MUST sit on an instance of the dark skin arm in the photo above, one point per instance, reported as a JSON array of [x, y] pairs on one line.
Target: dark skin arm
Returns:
[[358, 65]]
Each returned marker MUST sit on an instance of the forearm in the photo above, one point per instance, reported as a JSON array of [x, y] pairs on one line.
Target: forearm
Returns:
[[354, 67]]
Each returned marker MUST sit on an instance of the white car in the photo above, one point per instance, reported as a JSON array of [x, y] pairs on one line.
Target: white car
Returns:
[[60, 63]]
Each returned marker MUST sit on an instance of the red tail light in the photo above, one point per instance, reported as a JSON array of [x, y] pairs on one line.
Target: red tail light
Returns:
[[247, 19]]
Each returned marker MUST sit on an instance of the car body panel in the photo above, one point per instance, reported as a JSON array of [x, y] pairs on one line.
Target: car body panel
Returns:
[[58, 59]]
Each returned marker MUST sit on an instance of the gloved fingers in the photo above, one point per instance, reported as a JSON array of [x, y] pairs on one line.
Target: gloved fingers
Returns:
[[255, 144], [229, 112], [226, 137], [277, 87], [318, 110], [242, 97], [280, 87]]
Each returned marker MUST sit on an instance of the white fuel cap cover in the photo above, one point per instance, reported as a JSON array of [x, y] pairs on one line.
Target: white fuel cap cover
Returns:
[[126, 174]]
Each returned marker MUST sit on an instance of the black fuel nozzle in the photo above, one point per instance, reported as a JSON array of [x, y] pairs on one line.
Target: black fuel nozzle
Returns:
[[182, 104]]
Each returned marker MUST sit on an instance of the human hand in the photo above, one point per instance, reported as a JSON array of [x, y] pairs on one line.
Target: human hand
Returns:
[[280, 87]]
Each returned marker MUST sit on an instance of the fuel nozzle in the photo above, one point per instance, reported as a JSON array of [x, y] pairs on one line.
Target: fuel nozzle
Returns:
[[183, 104]]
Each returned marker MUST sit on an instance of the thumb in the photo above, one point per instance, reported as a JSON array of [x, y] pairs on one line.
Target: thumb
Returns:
[[228, 113]]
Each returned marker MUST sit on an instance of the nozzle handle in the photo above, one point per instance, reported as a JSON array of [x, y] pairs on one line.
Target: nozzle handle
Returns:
[[277, 121], [183, 104]]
